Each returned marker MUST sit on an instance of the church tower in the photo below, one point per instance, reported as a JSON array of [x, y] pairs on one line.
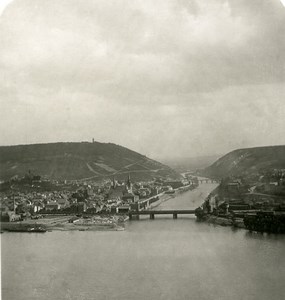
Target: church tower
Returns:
[[114, 184], [129, 185]]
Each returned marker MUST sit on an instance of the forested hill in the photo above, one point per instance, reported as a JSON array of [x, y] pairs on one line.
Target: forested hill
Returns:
[[247, 161], [78, 161]]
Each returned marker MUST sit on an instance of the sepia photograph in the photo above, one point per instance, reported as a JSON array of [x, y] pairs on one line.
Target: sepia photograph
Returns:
[[142, 149]]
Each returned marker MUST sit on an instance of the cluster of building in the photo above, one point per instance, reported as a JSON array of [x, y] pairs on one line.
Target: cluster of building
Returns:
[[260, 191], [109, 196]]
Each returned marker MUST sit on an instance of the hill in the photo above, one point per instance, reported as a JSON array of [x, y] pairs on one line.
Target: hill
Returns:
[[247, 161], [74, 161]]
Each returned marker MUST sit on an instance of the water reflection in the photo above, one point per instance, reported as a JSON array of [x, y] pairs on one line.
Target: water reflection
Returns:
[[264, 236], [151, 259]]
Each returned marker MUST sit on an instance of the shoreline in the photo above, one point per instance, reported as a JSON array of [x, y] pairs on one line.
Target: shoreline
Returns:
[[63, 223], [8, 227], [222, 221], [176, 193]]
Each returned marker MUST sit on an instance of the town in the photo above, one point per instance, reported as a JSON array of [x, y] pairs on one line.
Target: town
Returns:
[[32, 197], [254, 201]]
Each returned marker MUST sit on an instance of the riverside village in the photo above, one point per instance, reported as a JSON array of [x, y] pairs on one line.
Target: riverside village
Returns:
[[61, 204], [33, 203]]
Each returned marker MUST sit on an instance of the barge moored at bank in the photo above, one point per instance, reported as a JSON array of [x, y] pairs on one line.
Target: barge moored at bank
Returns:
[[265, 221]]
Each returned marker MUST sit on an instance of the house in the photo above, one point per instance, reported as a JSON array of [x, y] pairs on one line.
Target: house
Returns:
[[116, 192], [130, 198], [52, 206], [90, 191], [63, 202], [4, 208], [13, 217], [123, 208], [144, 192], [81, 207], [155, 191], [37, 206], [167, 188], [233, 187], [174, 184], [270, 186]]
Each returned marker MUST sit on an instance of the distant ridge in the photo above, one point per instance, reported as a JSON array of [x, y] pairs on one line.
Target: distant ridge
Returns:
[[247, 161], [75, 161], [184, 164]]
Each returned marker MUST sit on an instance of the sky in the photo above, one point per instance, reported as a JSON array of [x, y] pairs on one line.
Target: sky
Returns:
[[166, 78]]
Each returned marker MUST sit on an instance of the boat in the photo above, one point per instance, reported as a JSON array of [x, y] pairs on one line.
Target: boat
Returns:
[[265, 221], [37, 229], [120, 229]]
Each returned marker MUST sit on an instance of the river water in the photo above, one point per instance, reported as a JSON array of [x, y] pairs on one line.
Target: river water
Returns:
[[151, 259]]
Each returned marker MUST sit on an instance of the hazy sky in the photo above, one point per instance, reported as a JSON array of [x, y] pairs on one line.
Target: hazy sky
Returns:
[[165, 78]]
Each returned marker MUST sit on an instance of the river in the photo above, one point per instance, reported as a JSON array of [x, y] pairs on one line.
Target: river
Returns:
[[151, 259]]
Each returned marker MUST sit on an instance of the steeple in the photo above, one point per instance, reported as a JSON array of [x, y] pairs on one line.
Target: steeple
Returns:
[[114, 183], [129, 186]]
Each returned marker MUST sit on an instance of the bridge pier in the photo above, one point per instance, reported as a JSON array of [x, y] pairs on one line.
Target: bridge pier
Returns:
[[151, 216], [134, 217], [174, 216]]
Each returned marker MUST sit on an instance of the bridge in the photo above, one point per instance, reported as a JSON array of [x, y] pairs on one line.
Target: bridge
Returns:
[[152, 213], [207, 180]]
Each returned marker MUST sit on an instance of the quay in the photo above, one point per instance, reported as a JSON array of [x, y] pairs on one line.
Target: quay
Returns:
[[152, 213]]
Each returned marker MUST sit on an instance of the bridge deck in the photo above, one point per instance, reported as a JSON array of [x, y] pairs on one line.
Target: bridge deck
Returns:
[[163, 212], [152, 213]]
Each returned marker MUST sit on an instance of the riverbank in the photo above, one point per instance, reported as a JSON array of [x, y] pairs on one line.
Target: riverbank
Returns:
[[188, 199], [110, 222], [123, 265], [162, 199], [111, 265], [259, 220], [68, 223], [171, 195], [222, 221]]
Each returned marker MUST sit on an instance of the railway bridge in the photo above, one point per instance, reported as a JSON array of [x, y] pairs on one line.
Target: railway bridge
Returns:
[[152, 213], [207, 180]]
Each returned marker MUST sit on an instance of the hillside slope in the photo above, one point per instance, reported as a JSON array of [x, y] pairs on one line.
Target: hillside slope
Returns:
[[247, 161], [79, 161]]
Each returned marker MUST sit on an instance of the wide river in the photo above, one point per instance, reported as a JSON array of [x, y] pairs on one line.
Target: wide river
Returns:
[[151, 259]]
